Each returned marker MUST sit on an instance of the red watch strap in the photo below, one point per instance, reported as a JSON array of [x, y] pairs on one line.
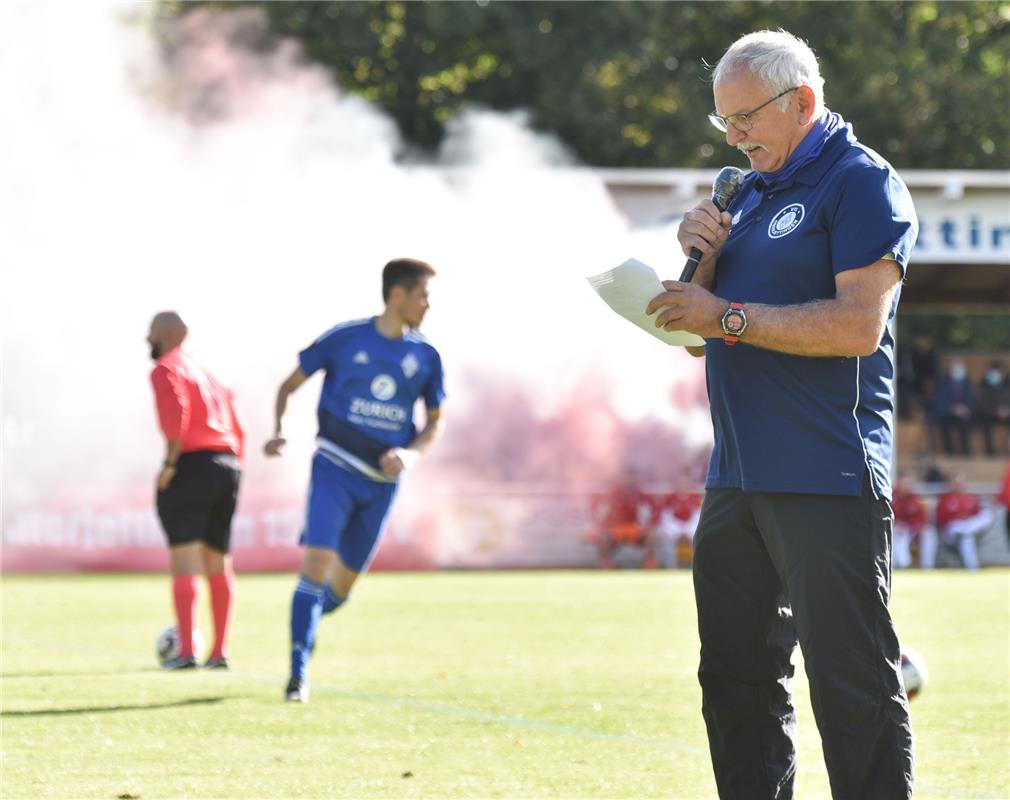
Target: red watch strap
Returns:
[[727, 338]]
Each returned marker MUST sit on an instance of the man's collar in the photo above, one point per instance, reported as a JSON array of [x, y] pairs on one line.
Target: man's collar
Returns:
[[811, 174]]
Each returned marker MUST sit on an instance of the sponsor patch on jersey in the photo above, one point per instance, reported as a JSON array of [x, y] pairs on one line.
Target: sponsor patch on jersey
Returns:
[[365, 412], [383, 387], [786, 221], [410, 365], [361, 357]]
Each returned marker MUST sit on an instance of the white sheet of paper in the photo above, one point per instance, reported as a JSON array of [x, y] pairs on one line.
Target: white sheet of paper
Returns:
[[627, 289]]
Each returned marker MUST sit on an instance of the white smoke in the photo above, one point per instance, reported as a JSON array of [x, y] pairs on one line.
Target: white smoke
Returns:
[[244, 190]]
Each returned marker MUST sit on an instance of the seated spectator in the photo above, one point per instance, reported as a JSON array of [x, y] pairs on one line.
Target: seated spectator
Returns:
[[624, 515], [917, 371], [911, 523], [960, 520], [954, 406], [993, 407], [677, 514]]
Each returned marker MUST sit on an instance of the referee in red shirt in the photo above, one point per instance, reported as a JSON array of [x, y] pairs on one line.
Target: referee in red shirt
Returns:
[[197, 485]]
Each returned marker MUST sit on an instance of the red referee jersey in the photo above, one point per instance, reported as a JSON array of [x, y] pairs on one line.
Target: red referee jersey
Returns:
[[194, 407]]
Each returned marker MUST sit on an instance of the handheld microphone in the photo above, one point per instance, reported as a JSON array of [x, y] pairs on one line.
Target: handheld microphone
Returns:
[[724, 188]]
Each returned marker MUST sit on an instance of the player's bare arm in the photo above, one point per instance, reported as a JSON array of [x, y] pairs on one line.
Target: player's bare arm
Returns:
[[398, 459], [289, 387], [173, 447], [849, 324]]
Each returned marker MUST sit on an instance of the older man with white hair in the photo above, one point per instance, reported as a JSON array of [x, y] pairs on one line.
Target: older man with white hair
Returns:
[[796, 293]]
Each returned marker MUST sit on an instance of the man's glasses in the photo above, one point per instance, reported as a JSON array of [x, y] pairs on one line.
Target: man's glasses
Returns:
[[743, 122]]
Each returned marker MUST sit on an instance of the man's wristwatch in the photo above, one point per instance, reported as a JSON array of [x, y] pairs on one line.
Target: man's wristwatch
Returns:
[[734, 323]]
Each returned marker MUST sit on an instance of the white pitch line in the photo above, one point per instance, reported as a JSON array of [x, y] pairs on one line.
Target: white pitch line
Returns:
[[488, 717]]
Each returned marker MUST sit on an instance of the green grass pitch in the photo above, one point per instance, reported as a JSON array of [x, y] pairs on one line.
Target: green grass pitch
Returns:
[[532, 685]]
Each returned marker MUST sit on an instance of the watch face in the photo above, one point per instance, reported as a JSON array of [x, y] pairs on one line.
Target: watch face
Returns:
[[733, 322]]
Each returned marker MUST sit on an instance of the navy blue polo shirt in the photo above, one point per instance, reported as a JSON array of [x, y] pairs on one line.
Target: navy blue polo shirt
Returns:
[[786, 423]]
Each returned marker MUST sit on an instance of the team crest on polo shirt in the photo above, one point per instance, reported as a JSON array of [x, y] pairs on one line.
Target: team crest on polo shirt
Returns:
[[383, 387], [786, 221]]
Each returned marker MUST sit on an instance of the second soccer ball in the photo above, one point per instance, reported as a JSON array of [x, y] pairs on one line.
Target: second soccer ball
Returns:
[[913, 671]]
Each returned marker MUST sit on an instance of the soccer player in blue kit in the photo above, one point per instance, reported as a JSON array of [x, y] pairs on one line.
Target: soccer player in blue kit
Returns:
[[375, 371]]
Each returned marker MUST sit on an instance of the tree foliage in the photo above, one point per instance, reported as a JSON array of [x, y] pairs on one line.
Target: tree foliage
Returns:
[[626, 83]]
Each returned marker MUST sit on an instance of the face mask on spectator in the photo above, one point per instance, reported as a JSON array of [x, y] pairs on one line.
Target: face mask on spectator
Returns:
[[994, 377], [957, 372]]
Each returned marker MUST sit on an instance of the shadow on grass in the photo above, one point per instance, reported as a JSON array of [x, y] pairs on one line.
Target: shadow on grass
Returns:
[[55, 673], [62, 712]]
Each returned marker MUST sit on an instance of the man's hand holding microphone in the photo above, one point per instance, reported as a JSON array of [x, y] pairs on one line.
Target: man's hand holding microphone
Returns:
[[702, 234]]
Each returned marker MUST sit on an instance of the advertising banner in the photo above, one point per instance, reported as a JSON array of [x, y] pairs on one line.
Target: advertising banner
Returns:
[[494, 528]]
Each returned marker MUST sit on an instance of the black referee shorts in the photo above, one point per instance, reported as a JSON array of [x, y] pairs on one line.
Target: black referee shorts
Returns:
[[200, 501], [773, 569]]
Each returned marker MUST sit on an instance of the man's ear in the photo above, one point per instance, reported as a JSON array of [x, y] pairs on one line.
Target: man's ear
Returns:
[[806, 103]]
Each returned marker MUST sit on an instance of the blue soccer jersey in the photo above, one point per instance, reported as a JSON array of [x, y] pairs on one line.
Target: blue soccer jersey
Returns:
[[788, 423], [371, 386]]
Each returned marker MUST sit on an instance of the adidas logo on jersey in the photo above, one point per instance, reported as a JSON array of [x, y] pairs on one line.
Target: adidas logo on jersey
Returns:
[[361, 357]]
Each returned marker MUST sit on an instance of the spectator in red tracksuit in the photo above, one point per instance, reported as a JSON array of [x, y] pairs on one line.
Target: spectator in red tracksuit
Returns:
[[678, 514], [623, 515], [911, 521], [960, 519], [197, 484]]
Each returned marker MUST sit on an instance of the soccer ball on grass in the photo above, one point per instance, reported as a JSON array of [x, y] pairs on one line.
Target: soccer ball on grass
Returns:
[[913, 671], [167, 644]]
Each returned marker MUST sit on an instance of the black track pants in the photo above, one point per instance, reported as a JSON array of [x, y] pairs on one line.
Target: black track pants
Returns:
[[773, 568]]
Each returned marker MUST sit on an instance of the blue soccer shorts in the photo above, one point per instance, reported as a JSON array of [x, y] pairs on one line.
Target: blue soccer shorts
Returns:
[[347, 512]]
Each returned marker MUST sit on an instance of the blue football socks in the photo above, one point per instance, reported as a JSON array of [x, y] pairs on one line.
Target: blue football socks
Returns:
[[306, 610], [331, 600]]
